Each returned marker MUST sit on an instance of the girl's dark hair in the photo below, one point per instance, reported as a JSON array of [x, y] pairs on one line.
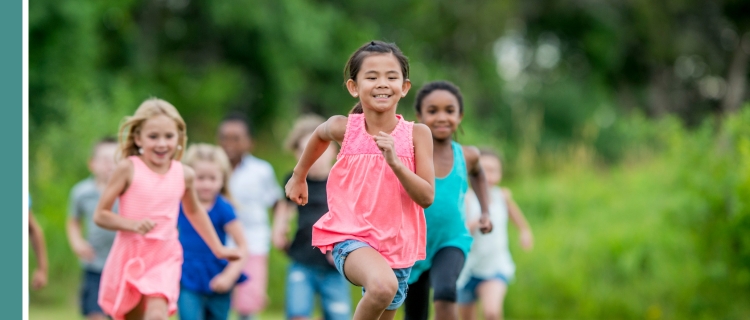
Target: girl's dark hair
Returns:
[[439, 85], [367, 49]]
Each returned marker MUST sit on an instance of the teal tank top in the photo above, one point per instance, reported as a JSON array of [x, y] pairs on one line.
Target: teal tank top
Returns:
[[445, 218]]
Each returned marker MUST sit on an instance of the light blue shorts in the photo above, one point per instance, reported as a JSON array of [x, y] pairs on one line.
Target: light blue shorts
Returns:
[[342, 249], [468, 293]]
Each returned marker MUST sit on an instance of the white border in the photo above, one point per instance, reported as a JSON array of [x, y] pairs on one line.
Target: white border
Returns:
[[25, 155]]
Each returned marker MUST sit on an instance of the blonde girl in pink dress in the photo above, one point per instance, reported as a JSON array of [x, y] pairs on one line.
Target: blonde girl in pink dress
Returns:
[[141, 277], [382, 180]]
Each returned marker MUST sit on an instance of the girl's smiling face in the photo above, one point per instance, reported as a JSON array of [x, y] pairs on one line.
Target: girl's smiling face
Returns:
[[441, 112], [380, 82], [158, 138], [208, 180]]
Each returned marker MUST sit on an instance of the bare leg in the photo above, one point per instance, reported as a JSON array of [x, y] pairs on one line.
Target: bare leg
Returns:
[[466, 311], [96, 316], [367, 268], [492, 294], [445, 310], [388, 315], [137, 312], [156, 308]]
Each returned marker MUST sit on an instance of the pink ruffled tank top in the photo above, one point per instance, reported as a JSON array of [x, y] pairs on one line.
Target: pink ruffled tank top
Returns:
[[367, 202]]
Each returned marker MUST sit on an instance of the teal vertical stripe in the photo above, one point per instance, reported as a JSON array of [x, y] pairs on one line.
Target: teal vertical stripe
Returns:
[[11, 73]]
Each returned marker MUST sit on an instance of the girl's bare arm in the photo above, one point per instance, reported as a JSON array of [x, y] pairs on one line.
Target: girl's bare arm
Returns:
[[479, 185], [331, 130], [198, 217], [234, 269], [420, 185], [515, 215], [282, 214], [117, 185], [36, 237]]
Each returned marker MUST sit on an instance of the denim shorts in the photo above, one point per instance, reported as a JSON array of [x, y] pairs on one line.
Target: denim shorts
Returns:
[[468, 293], [342, 249], [89, 295]]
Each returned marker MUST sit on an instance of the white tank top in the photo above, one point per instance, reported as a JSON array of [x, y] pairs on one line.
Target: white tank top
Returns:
[[489, 255]]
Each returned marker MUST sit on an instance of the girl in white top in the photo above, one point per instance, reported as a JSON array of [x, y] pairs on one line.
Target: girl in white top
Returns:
[[489, 266]]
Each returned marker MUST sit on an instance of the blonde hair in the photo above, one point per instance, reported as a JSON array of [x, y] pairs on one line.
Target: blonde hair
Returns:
[[304, 125], [214, 154], [131, 126]]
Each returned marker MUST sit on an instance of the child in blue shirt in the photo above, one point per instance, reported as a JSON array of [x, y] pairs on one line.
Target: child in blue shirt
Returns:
[[207, 282]]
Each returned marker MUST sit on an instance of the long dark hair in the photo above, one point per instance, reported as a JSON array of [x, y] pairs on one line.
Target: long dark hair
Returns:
[[355, 62]]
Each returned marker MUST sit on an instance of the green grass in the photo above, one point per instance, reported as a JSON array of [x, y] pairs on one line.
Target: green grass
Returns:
[[659, 235], [70, 311]]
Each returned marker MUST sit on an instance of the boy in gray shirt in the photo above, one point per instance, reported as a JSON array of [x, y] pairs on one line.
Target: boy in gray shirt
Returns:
[[93, 250]]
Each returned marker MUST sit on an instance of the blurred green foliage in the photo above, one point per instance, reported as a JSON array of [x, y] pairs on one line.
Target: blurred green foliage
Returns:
[[620, 141]]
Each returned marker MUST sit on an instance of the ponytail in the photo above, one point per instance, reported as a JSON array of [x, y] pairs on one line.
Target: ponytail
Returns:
[[357, 108]]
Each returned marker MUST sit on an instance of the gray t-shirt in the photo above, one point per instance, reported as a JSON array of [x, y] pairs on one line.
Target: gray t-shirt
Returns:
[[83, 200]]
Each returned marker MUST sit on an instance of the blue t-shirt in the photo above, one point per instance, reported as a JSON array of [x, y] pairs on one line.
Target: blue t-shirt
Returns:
[[200, 265]]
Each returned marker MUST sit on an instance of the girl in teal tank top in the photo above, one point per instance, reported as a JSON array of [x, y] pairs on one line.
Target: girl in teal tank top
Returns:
[[439, 105]]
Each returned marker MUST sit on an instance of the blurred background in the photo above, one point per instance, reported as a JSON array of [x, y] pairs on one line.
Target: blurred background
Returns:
[[624, 125]]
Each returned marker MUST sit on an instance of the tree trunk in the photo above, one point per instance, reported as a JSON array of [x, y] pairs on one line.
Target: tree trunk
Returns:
[[736, 80]]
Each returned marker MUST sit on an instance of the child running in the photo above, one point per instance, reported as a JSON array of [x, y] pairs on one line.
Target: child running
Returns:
[[206, 283], [255, 189], [378, 187], [93, 250], [439, 105], [489, 267], [310, 271], [141, 277]]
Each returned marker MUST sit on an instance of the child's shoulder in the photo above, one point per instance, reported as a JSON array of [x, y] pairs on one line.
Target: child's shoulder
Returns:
[[124, 166], [83, 186], [507, 194], [471, 153], [421, 131]]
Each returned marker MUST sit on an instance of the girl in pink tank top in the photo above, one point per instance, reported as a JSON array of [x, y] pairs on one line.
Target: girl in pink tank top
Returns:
[[141, 277], [375, 227]]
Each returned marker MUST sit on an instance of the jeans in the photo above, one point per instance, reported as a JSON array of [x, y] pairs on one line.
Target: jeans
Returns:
[[304, 281], [193, 305]]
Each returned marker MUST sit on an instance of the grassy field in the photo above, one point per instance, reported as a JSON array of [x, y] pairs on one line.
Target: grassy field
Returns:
[[658, 235], [70, 312]]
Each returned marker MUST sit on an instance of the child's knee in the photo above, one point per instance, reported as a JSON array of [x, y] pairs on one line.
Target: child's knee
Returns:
[[445, 291], [492, 312], [156, 315], [382, 290], [156, 309]]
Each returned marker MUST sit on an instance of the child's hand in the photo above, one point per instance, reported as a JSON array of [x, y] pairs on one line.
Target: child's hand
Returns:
[[329, 257], [485, 225], [296, 190], [279, 240], [228, 254], [221, 283], [527, 240], [39, 279], [142, 226], [84, 251], [387, 147]]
